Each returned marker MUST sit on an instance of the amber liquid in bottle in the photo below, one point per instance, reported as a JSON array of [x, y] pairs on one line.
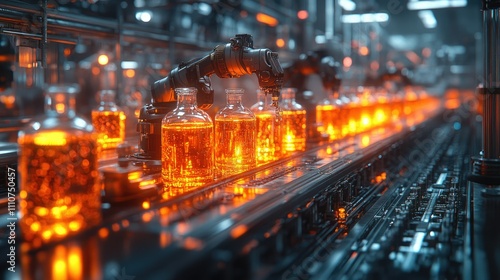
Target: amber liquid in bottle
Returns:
[[268, 137], [294, 133], [328, 116], [187, 154], [59, 185], [110, 127], [235, 146]]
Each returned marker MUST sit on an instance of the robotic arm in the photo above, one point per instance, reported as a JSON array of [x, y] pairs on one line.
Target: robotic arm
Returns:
[[311, 63], [232, 60]]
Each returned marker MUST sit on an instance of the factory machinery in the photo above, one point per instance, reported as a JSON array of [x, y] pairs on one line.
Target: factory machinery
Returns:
[[413, 196]]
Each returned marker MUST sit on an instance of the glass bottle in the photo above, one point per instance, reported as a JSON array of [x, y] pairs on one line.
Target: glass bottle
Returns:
[[60, 192], [293, 123], [268, 146], [235, 132], [108, 121], [328, 116], [187, 139]]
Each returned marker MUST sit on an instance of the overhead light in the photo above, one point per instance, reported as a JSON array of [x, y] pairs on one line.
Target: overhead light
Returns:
[[204, 9], [320, 39], [144, 16], [370, 17], [438, 4], [347, 5], [266, 19], [129, 64], [428, 19]]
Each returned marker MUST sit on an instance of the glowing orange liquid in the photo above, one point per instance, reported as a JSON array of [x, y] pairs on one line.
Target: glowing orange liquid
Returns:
[[110, 128], [60, 193], [328, 116], [187, 154], [268, 137], [294, 131], [235, 142]]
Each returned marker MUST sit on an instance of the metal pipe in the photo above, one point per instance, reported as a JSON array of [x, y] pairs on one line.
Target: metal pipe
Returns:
[[55, 39], [486, 167], [43, 43], [491, 103]]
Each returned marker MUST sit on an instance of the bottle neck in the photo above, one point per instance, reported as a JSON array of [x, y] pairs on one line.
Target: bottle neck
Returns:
[[60, 104], [186, 100], [107, 98], [234, 99]]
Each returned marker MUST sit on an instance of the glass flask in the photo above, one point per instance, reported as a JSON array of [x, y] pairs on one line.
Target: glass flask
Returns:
[[60, 192], [235, 132], [108, 121], [187, 139], [268, 145], [293, 123], [329, 116]]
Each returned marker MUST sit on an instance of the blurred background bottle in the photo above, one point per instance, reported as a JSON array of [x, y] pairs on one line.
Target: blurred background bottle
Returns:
[[268, 146], [108, 121], [59, 193], [329, 116], [235, 136], [187, 143], [293, 123]]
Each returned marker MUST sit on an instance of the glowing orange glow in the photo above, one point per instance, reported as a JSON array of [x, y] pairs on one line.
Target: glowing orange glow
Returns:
[[426, 52], [280, 43], [165, 239], [125, 223], [132, 176], [59, 265], [302, 14], [379, 116], [130, 73], [452, 104], [23, 194], [26, 57], [364, 51], [182, 228], [365, 121], [191, 243], [35, 226], [347, 62], [74, 225], [383, 175], [102, 59], [110, 128], [413, 57], [115, 227], [145, 205], [238, 231], [51, 138], [103, 233], [365, 141], [8, 100], [95, 71], [146, 217], [342, 214], [266, 19], [67, 52], [46, 234], [75, 262]]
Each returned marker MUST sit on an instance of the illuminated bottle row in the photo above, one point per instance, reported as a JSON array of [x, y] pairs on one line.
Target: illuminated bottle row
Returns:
[[196, 150], [342, 115]]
